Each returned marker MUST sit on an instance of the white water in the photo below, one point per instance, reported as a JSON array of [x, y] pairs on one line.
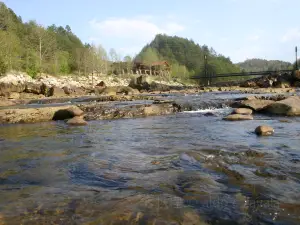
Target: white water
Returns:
[[225, 110]]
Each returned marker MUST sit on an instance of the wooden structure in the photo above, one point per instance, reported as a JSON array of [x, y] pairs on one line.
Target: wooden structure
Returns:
[[160, 68]]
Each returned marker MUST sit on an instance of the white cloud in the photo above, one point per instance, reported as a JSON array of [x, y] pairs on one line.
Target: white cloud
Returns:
[[291, 35], [139, 28], [247, 52]]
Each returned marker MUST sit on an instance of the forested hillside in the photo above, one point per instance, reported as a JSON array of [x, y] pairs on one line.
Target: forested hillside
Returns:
[[186, 56], [54, 49], [254, 65]]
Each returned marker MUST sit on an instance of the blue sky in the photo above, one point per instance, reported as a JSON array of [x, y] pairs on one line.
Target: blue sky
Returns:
[[240, 29]]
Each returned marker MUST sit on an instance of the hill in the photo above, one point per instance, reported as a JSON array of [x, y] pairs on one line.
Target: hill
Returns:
[[185, 56], [255, 65]]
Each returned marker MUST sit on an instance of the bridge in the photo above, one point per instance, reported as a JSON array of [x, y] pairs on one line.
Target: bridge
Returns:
[[209, 77]]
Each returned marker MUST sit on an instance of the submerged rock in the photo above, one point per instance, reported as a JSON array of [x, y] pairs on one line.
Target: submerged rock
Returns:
[[77, 121], [286, 107], [75, 111], [264, 130], [238, 117], [243, 111]]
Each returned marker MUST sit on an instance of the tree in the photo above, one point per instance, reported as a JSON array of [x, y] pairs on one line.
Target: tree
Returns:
[[149, 56], [113, 55], [102, 59], [128, 63]]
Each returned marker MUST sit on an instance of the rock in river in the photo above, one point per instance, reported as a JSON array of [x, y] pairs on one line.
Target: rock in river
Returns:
[[243, 111], [286, 107], [77, 121], [264, 130], [35, 115], [237, 117], [256, 104]]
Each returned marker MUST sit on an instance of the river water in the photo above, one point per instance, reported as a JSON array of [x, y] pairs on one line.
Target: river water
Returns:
[[188, 168]]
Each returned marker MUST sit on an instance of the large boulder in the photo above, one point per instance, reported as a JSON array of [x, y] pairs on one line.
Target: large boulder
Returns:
[[33, 88], [238, 117], [75, 91], [159, 87], [35, 115], [56, 92], [45, 89], [101, 84], [287, 107], [6, 88], [249, 84], [256, 104], [265, 83], [13, 95], [244, 111], [141, 83]]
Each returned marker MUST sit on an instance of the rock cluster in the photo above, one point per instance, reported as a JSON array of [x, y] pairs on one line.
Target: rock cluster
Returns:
[[240, 114], [285, 80], [289, 106]]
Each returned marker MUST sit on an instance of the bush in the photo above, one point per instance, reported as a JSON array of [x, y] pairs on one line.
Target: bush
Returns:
[[3, 67], [32, 71]]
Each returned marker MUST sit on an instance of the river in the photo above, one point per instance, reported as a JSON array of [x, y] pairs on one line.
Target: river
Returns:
[[188, 168]]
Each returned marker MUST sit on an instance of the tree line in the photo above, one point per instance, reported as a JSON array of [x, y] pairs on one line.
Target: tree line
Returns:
[[256, 65], [30, 47]]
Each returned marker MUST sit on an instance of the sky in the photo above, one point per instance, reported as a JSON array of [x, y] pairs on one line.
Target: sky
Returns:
[[239, 29]]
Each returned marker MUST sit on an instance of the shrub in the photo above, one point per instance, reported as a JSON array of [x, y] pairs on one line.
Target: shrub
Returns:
[[3, 67]]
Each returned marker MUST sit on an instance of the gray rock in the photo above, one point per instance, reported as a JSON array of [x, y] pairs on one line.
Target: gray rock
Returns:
[[77, 121], [76, 91], [6, 88], [13, 95], [256, 104], [238, 117], [244, 111], [56, 92], [264, 130], [33, 88], [140, 83], [286, 107]]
